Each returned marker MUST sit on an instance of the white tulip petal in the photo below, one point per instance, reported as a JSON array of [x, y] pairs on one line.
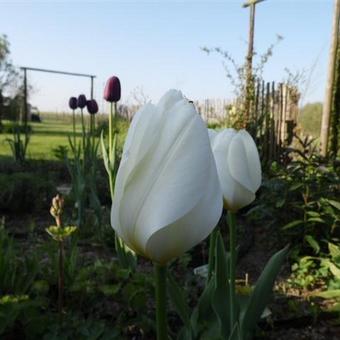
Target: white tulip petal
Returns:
[[212, 135], [137, 144], [172, 181], [238, 197], [167, 184], [222, 140], [192, 228], [238, 163], [238, 167], [253, 159], [169, 99]]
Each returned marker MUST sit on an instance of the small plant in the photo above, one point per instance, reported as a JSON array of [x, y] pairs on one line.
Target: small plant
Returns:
[[60, 233], [19, 143]]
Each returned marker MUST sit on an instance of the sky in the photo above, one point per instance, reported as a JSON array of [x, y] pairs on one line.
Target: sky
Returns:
[[156, 45]]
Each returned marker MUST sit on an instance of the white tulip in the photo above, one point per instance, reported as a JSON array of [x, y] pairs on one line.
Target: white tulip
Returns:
[[238, 166], [167, 196]]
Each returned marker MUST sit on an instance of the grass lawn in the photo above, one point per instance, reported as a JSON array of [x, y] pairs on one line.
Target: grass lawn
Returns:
[[52, 132]]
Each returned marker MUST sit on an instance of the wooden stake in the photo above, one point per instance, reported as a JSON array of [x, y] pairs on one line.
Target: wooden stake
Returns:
[[327, 106]]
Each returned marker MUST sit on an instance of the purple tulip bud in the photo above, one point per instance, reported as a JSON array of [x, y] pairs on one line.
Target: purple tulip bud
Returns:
[[92, 106], [112, 90], [73, 103], [81, 101]]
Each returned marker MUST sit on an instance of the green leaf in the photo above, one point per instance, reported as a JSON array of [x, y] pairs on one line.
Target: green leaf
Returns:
[[203, 314], [313, 213], [295, 186], [334, 269], [220, 299], [328, 294], [333, 203], [334, 250], [178, 299], [292, 224], [262, 293], [313, 243], [316, 219], [104, 152]]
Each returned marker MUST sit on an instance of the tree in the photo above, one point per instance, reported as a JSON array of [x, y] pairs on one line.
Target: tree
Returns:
[[9, 76]]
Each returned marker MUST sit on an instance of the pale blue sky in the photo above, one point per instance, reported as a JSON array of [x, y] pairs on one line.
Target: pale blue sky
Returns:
[[156, 44]]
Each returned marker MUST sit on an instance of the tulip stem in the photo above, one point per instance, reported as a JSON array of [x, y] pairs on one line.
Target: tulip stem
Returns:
[[111, 117], [74, 128], [212, 245], [232, 251], [83, 130], [61, 281], [161, 319]]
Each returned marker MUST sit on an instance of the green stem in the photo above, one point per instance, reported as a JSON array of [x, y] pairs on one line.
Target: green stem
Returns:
[[74, 128], [83, 129], [61, 281], [161, 319], [212, 246], [232, 250], [110, 131]]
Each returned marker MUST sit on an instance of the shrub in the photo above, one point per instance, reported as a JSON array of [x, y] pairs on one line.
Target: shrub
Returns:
[[24, 192]]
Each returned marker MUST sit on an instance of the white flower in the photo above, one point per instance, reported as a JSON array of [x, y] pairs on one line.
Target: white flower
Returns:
[[238, 166], [167, 196]]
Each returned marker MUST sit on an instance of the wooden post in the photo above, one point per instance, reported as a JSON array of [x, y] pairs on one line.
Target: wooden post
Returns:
[[327, 106], [25, 112], [249, 59]]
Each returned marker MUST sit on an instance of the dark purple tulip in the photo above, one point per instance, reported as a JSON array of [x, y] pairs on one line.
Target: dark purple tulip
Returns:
[[81, 101], [92, 106], [112, 90], [73, 103]]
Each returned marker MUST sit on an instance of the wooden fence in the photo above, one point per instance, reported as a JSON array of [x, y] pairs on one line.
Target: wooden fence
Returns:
[[273, 118]]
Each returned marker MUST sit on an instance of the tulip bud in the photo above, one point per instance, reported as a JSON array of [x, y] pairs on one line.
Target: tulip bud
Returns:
[[73, 103], [238, 166], [112, 90], [167, 195], [92, 106], [81, 101]]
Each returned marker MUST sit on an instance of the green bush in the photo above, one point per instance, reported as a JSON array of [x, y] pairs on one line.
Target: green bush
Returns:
[[310, 119], [24, 192]]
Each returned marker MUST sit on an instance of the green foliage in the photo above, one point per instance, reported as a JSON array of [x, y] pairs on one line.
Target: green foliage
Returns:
[[60, 152], [211, 318], [19, 143], [60, 233], [16, 273], [14, 127], [24, 192], [309, 119], [300, 203]]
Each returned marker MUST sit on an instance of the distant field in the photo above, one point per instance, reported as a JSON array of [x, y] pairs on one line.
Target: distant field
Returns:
[[52, 132]]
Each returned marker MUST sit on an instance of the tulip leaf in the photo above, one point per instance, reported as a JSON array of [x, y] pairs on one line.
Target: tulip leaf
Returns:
[[203, 314], [220, 298], [104, 152], [236, 333], [126, 257], [179, 299], [261, 293], [113, 154]]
